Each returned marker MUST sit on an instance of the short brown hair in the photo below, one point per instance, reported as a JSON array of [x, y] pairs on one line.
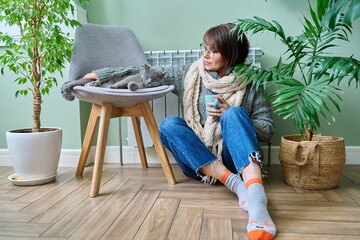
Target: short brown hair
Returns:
[[233, 48]]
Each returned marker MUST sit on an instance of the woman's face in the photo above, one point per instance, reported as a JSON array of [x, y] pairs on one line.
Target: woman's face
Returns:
[[213, 60]]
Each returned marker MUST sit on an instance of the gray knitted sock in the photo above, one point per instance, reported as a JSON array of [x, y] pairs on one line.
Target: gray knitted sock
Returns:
[[260, 225], [236, 185]]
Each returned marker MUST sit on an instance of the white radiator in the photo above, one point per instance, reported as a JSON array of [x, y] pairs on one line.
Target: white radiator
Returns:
[[168, 105]]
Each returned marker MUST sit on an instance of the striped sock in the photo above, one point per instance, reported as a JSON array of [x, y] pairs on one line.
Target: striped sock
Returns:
[[260, 225], [236, 185]]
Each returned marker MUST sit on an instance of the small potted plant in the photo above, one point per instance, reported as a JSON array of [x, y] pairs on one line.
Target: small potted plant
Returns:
[[41, 49], [306, 79]]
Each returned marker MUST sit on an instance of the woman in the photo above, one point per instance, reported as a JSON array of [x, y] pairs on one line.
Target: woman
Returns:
[[222, 144], [218, 143]]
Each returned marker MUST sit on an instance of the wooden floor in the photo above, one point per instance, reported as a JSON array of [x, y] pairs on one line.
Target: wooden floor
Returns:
[[139, 204]]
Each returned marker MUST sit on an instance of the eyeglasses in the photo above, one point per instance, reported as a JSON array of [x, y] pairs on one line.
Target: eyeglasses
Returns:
[[205, 50]]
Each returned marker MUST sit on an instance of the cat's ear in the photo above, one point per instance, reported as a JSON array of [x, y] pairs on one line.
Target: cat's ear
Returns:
[[163, 74], [147, 67]]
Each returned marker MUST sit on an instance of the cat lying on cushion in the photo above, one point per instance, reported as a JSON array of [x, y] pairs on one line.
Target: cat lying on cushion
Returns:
[[145, 78]]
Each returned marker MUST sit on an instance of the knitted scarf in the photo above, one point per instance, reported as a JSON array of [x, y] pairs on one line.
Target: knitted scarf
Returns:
[[232, 91]]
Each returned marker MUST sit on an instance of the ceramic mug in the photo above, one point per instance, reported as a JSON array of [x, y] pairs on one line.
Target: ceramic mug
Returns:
[[211, 99]]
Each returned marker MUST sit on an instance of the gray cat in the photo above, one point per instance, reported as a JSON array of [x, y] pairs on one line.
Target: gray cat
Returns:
[[146, 78]]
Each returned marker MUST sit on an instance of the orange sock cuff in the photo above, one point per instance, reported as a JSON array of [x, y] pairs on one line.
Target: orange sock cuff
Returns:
[[254, 180], [260, 234], [226, 175]]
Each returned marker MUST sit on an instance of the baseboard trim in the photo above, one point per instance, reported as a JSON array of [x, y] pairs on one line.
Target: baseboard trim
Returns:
[[70, 157]]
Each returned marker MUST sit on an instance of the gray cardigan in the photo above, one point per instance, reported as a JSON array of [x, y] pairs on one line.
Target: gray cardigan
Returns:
[[253, 101]]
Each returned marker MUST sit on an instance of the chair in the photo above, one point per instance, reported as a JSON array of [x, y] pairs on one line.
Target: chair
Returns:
[[95, 47]]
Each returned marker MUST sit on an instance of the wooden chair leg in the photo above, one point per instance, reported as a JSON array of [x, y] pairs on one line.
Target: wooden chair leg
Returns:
[[139, 140], [100, 148], [89, 135], [269, 152], [154, 133]]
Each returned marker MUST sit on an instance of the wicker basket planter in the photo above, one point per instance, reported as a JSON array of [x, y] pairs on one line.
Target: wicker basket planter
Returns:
[[312, 165]]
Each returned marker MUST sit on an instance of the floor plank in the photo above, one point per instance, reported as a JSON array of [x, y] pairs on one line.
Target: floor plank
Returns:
[[73, 220], [213, 229], [130, 220], [158, 222], [96, 226], [187, 224]]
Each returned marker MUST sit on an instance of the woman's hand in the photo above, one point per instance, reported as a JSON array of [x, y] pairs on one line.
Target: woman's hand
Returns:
[[91, 76], [222, 107]]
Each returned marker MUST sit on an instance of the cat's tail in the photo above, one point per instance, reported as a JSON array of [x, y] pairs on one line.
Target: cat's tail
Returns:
[[68, 86], [66, 91]]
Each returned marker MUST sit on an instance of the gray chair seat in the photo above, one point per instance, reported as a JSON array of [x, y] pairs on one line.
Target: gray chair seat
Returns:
[[120, 97]]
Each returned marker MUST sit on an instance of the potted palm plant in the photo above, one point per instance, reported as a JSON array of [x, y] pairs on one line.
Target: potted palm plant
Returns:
[[41, 49], [306, 79]]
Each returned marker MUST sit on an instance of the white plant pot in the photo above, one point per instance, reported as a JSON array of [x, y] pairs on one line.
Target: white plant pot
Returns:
[[34, 156]]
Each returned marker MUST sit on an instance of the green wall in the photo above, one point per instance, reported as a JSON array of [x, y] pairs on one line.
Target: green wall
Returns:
[[175, 24]]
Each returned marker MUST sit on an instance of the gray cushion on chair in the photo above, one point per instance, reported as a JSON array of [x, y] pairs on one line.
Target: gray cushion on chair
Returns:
[[99, 46], [120, 97]]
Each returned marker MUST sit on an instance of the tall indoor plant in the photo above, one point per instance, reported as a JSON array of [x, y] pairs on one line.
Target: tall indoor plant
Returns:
[[307, 77], [41, 50]]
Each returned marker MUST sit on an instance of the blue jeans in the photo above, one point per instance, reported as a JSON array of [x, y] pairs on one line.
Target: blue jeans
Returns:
[[240, 144]]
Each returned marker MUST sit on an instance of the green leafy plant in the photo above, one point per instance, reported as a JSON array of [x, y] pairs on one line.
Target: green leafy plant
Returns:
[[307, 76], [42, 48]]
